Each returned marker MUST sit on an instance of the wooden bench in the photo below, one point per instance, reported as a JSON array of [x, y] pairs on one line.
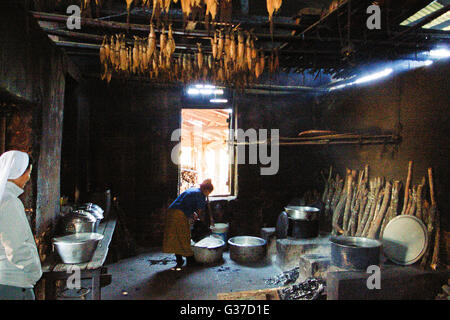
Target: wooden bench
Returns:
[[54, 269]]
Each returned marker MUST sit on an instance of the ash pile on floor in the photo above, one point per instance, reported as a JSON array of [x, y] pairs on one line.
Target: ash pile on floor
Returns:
[[310, 289]]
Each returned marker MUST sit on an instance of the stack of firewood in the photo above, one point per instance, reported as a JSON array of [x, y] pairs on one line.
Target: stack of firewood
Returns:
[[361, 206]]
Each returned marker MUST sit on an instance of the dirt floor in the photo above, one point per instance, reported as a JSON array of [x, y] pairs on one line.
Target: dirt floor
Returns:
[[148, 276]]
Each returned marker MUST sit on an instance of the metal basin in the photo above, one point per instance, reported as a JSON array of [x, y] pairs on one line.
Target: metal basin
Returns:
[[246, 249], [354, 253], [77, 248], [210, 252], [302, 212]]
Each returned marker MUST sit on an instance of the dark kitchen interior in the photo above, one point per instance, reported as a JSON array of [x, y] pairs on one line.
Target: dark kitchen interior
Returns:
[[350, 106]]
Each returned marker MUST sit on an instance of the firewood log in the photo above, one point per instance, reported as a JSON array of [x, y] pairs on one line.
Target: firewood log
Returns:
[[419, 199], [373, 230], [362, 207], [370, 202], [375, 206], [409, 205], [437, 226], [430, 221], [393, 206], [337, 213], [350, 227], [348, 201], [408, 182], [412, 211], [337, 193]]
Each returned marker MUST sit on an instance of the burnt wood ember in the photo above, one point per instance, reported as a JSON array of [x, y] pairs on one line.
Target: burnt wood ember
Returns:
[[310, 289], [285, 278]]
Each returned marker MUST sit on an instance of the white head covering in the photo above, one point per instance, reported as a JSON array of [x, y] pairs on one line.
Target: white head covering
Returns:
[[13, 164]]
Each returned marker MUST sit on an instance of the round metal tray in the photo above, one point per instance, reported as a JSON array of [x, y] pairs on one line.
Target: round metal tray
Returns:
[[405, 240]]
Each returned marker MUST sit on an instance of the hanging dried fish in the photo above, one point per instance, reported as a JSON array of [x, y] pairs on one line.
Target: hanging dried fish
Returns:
[[107, 49], [166, 6], [117, 51], [199, 56], [248, 53], [135, 55], [226, 48], [186, 7], [211, 8], [232, 49], [156, 11], [214, 45], [123, 56], [240, 49], [220, 46], [151, 41], [272, 7], [170, 45], [129, 2], [210, 62], [103, 55], [162, 41]]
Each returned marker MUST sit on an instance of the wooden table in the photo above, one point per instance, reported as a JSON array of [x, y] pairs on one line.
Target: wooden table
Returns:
[[54, 269]]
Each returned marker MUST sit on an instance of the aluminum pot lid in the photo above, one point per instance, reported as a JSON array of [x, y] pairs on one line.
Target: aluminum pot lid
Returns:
[[308, 209], [405, 239]]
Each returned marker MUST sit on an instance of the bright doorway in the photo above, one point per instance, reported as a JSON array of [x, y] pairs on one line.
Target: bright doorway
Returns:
[[205, 151]]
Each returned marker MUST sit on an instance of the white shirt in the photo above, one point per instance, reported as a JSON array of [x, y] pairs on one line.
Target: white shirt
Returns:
[[20, 265]]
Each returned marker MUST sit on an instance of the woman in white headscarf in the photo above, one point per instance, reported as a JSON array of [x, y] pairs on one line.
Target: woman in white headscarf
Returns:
[[20, 266]]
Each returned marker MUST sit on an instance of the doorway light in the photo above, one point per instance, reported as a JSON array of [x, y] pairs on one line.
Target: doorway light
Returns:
[[218, 100], [204, 89]]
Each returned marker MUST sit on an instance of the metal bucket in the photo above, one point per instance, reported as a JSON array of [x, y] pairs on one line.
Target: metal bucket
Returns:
[[354, 253], [246, 249], [211, 253]]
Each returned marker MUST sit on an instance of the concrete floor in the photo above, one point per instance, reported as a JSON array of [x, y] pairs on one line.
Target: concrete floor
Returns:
[[146, 277]]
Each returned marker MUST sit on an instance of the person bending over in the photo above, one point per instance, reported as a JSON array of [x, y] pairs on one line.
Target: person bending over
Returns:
[[177, 236]]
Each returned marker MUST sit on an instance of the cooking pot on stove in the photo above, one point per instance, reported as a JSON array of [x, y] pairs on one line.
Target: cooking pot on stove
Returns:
[[300, 222]]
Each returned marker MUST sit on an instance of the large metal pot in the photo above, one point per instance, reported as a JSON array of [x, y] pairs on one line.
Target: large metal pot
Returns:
[[303, 221], [246, 249], [78, 222], [354, 253], [77, 248], [210, 251], [93, 209]]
